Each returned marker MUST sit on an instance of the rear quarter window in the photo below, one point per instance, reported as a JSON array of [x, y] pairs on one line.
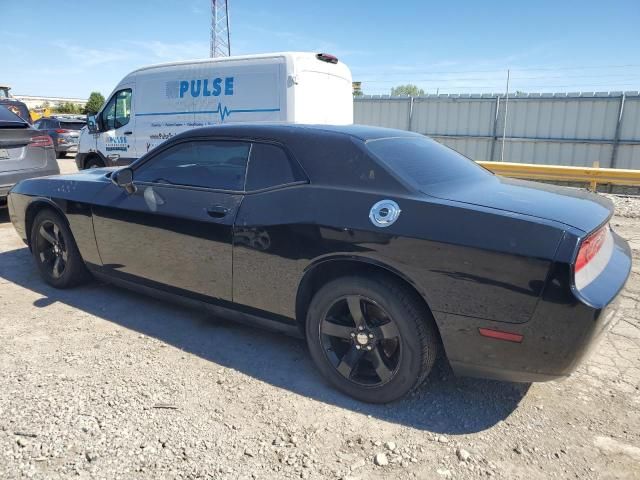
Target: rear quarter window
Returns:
[[270, 166], [424, 163]]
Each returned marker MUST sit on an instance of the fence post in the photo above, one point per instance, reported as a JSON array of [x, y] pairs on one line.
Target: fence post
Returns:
[[616, 138], [495, 128], [410, 113]]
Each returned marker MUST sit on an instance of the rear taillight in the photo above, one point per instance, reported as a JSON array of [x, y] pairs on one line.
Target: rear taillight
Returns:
[[590, 247], [593, 256], [61, 130], [41, 141]]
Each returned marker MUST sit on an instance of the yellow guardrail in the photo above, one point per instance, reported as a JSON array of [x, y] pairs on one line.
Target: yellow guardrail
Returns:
[[591, 175]]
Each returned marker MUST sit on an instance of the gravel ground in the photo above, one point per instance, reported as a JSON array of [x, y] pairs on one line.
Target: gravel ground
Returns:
[[97, 382]]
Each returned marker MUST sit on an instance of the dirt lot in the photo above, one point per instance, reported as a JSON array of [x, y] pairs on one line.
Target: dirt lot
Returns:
[[97, 382]]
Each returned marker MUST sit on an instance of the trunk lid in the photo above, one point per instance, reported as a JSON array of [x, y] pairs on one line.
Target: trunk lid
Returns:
[[571, 206], [16, 153]]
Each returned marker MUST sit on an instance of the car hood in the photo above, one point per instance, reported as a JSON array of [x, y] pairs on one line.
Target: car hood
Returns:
[[571, 206]]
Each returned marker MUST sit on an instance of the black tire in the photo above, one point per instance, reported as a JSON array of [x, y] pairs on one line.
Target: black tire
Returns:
[[407, 350], [61, 154], [94, 163], [55, 251]]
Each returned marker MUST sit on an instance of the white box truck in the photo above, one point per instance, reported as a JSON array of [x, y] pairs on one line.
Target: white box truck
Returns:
[[154, 103]]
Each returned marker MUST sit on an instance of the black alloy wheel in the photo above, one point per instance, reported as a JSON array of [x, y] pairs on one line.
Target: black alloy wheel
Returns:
[[51, 249], [55, 251], [361, 340], [372, 337]]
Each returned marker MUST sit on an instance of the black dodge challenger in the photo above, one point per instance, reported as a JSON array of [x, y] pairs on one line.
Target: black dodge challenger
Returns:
[[383, 248]]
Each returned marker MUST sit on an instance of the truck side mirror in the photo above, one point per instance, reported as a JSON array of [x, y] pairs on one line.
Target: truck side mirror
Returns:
[[124, 179], [92, 124]]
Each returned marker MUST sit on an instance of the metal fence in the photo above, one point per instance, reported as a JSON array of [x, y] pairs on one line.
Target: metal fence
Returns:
[[554, 129]]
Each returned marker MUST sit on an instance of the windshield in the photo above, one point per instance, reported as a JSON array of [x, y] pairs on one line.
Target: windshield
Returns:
[[425, 163], [72, 125]]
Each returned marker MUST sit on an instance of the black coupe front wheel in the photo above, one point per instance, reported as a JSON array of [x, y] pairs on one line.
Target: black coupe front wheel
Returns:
[[55, 252], [371, 337]]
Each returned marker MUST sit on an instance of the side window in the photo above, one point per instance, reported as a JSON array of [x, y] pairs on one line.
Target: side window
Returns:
[[210, 164], [38, 124], [270, 166], [117, 113], [109, 115]]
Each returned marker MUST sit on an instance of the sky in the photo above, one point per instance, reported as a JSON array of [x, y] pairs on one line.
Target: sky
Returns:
[[70, 48]]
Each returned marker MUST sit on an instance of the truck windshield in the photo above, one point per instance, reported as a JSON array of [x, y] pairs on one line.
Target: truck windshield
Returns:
[[424, 163]]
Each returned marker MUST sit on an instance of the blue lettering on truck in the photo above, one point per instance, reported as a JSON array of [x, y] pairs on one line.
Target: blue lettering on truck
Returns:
[[201, 87], [204, 87]]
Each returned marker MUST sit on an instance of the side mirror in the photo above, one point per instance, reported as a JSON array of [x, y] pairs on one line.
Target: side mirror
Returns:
[[92, 124], [124, 179]]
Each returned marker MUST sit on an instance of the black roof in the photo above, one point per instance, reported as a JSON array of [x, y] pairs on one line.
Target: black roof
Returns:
[[284, 130]]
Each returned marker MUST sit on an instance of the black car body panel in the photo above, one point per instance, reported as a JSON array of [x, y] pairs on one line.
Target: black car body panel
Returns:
[[497, 255]]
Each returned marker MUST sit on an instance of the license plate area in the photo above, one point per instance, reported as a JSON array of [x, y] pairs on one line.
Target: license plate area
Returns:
[[8, 154]]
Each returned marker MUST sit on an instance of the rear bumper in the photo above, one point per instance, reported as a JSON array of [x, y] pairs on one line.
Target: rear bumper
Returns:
[[67, 147], [564, 329]]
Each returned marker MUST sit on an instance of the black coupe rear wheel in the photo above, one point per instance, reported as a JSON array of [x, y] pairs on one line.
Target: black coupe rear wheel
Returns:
[[371, 338], [55, 251], [361, 340]]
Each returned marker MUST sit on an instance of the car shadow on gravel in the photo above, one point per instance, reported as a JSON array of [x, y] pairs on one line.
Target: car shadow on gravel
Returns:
[[443, 404]]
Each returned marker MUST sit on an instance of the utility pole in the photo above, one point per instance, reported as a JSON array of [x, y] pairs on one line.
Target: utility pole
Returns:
[[220, 33]]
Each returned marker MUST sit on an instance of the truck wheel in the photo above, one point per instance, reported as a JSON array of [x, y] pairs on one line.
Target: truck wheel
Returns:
[[371, 337], [94, 163], [55, 252], [61, 154]]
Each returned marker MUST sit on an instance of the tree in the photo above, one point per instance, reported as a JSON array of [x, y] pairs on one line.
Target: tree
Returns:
[[94, 103], [407, 90]]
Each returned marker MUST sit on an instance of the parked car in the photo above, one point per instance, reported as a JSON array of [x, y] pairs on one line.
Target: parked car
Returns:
[[24, 152], [15, 106], [381, 247], [167, 99], [64, 132]]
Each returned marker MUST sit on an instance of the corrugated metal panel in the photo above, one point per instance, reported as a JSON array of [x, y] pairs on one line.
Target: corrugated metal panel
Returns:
[[469, 147], [569, 118], [453, 116], [383, 112], [630, 128], [628, 157], [558, 153], [556, 129]]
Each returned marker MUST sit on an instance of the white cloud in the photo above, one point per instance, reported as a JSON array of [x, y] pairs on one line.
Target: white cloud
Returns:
[[89, 57]]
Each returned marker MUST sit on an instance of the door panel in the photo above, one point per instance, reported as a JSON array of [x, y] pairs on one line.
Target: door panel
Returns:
[[178, 237], [115, 141]]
